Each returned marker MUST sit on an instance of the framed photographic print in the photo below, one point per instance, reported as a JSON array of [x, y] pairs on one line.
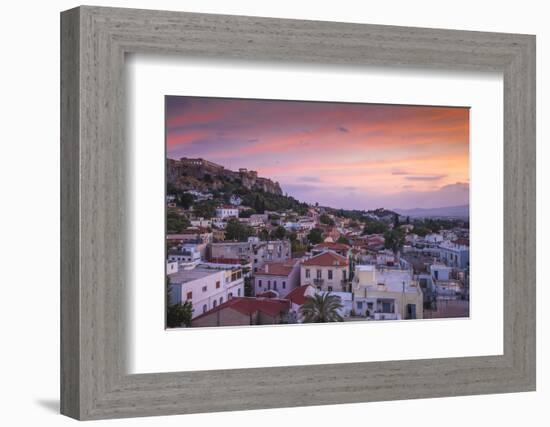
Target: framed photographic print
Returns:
[[270, 186]]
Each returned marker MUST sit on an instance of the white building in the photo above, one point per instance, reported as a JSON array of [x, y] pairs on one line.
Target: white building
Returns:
[[235, 200], [171, 267], [187, 257], [386, 294], [205, 286], [227, 211], [433, 238], [327, 272], [455, 253]]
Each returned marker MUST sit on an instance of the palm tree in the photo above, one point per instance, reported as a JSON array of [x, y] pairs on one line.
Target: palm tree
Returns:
[[322, 308]]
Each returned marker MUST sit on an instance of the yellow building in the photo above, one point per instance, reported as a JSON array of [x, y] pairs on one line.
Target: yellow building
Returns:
[[386, 294]]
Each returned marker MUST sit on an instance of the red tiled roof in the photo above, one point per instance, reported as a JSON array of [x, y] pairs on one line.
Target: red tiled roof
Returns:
[[221, 260], [187, 231], [462, 241], [327, 259], [331, 245], [298, 295], [267, 294], [275, 269], [250, 305]]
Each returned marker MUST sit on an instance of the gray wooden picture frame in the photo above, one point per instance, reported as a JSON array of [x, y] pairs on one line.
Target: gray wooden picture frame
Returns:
[[94, 41]]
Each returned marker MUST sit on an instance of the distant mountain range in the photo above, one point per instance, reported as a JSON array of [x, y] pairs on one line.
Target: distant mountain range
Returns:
[[461, 211]]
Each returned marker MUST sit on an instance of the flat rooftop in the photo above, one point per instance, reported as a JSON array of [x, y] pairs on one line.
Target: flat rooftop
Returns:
[[185, 276]]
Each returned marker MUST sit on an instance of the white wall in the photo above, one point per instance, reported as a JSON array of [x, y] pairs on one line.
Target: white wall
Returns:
[[29, 173]]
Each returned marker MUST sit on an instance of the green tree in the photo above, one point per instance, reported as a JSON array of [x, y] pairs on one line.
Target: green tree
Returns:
[[395, 220], [247, 213], [315, 236], [325, 219], [184, 200], [394, 240], [263, 234], [279, 233], [248, 288], [237, 231], [322, 308], [375, 227], [343, 240], [175, 223], [179, 314], [205, 209]]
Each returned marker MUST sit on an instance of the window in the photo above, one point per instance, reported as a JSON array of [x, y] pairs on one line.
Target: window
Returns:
[[218, 284], [369, 305], [359, 305], [330, 288], [239, 292], [221, 300], [204, 288], [214, 303], [230, 295], [330, 275], [204, 308], [307, 273], [259, 283], [319, 274], [344, 274], [269, 284], [189, 295], [284, 284]]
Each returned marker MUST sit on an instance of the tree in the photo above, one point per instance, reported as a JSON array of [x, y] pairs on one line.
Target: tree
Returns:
[[179, 314], [315, 236], [263, 234], [322, 308], [279, 233], [237, 231], [247, 213], [408, 220], [185, 200], [394, 240], [205, 209], [325, 219], [175, 223], [248, 289], [375, 227], [343, 240], [395, 220]]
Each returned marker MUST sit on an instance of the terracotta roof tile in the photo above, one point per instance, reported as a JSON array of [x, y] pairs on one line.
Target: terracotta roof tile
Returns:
[[327, 259]]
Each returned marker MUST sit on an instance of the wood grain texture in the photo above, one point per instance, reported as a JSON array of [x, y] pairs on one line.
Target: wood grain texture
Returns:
[[94, 382]]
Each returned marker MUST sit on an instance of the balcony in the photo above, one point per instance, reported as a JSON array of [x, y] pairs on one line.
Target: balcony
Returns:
[[318, 282]]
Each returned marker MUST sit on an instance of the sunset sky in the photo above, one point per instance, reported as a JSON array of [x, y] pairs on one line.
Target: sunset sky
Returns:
[[355, 156]]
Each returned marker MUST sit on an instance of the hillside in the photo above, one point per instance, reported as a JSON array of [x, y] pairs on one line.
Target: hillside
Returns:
[[461, 211], [202, 175], [260, 194]]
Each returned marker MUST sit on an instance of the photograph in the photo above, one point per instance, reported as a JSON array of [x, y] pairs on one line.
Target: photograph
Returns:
[[286, 212]]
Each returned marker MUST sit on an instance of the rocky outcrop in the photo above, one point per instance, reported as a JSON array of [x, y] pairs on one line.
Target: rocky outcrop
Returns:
[[203, 175]]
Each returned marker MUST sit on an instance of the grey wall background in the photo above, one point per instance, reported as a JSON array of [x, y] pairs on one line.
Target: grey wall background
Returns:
[[29, 177]]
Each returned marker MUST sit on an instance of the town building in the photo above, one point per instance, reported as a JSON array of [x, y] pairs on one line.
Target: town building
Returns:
[[206, 286], [327, 272], [245, 311], [280, 277], [227, 211], [191, 235], [386, 294], [187, 256], [254, 251], [455, 253]]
